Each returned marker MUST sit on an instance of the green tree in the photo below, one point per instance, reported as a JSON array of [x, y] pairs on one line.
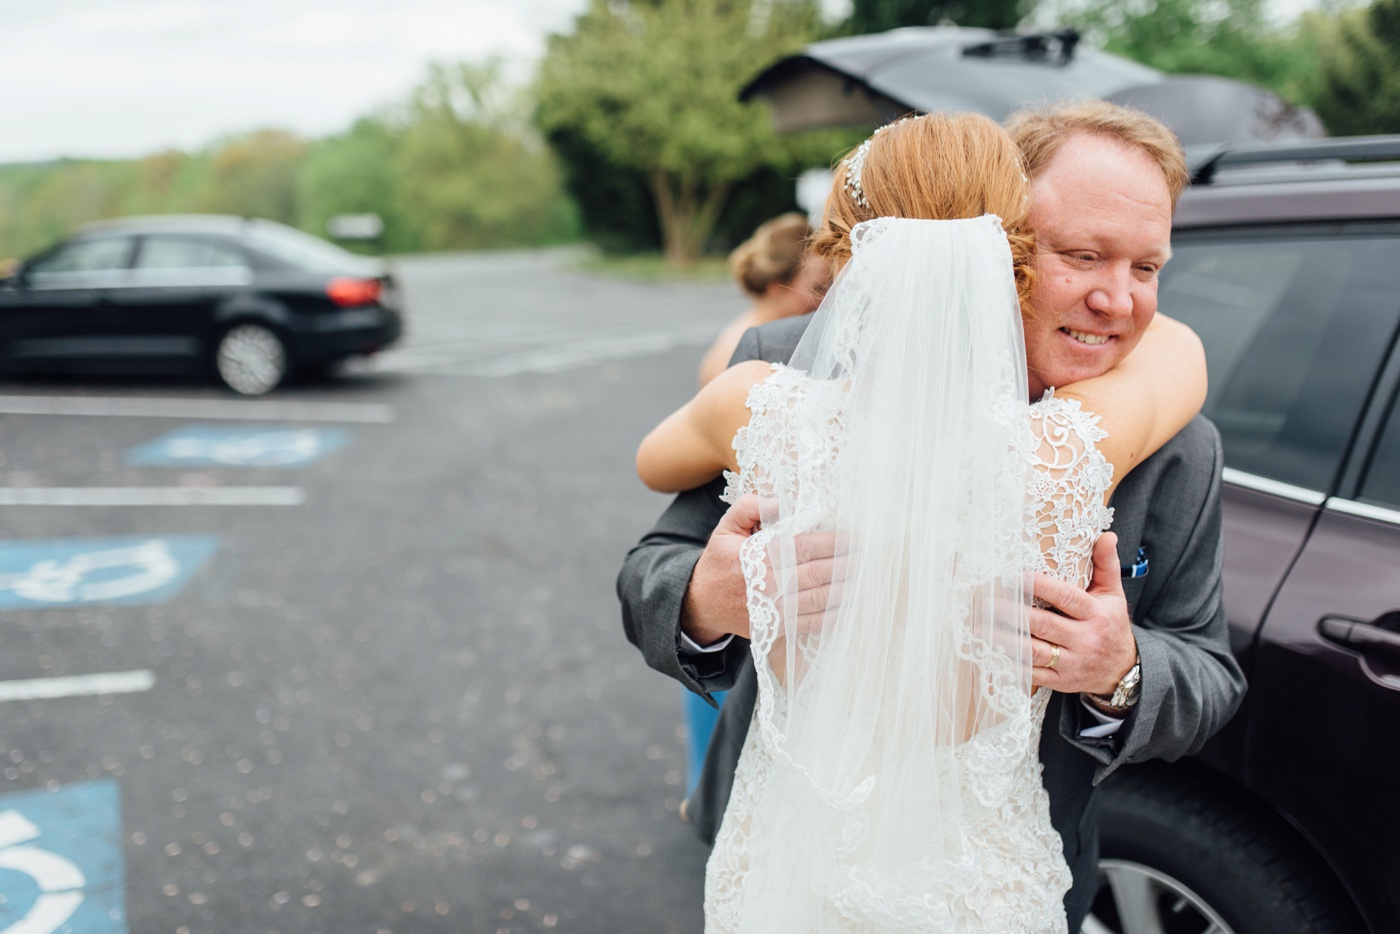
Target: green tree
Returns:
[[70, 193], [880, 15], [651, 88], [1359, 83], [255, 176], [457, 165], [353, 173], [470, 168], [1231, 38]]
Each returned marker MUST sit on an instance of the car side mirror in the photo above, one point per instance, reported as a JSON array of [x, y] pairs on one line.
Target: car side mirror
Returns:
[[12, 274]]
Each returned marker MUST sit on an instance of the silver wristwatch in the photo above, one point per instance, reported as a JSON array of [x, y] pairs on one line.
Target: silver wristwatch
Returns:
[[1125, 694]]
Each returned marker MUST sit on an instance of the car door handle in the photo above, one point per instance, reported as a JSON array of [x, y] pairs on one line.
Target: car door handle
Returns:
[[1366, 638]]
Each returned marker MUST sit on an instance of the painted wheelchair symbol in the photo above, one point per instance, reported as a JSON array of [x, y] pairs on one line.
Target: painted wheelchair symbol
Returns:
[[220, 446], [262, 449], [94, 576], [60, 882]]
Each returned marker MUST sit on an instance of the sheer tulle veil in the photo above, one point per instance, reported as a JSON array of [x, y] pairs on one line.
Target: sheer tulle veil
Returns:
[[895, 714]]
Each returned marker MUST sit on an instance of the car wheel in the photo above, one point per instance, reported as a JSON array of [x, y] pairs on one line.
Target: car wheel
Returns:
[[1178, 856], [250, 359]]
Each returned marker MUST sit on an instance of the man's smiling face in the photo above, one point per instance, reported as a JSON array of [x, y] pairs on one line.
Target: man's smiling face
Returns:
[[1102, 216]]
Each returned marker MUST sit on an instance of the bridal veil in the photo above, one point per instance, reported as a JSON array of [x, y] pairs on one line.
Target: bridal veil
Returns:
[[891, 782]]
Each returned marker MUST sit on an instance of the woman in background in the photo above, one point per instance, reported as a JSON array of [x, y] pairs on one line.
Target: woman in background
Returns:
[[785, 280]]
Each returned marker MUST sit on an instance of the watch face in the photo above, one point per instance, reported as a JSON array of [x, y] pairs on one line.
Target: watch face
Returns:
[[1125, 695]]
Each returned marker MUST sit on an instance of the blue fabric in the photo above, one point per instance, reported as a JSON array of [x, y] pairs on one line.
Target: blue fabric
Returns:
[[700, 719]]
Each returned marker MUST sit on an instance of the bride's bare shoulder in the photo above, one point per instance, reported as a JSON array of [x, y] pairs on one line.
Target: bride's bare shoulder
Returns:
[[1149, 396], [694, 443]]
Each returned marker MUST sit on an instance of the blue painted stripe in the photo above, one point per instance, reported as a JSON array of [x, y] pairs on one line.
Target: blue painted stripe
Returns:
[[61, 860], [222, 446]]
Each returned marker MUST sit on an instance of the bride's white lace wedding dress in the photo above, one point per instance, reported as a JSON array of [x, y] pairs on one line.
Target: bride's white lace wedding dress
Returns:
[[890, 781]]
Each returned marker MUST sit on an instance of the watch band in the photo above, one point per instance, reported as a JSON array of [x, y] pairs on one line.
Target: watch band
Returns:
[[1125, 694]]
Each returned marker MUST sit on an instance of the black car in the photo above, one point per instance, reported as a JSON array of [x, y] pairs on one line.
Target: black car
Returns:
[[247, 300], [1287, 263]]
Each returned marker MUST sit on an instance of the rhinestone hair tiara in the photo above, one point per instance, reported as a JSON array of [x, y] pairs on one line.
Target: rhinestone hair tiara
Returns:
[[855, 162]]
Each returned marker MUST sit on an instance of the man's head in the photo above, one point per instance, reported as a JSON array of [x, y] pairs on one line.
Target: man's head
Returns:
[[1104, 182]]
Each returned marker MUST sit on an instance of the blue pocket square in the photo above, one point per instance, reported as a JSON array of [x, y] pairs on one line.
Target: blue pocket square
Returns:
[[1138, 568]]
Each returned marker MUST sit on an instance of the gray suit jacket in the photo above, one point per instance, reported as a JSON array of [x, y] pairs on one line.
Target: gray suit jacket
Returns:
[[1191, 683]]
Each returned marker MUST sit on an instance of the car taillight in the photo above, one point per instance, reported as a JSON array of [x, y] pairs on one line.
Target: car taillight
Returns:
[[349, 292]]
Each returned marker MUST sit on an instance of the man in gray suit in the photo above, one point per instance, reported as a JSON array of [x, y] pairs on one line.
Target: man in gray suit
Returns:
[[1140, 661]]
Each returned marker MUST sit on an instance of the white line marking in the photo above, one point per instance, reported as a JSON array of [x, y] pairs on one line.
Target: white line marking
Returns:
[[252, 411], [115, 682], [49, 910], [557, 358], [153, 496], [15, 829], [484, 359]]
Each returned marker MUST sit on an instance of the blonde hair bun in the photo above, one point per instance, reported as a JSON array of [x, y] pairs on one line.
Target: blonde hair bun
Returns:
[[772, 255]]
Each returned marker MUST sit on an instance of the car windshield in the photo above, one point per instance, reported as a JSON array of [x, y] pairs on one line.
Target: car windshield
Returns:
[[304, 251]]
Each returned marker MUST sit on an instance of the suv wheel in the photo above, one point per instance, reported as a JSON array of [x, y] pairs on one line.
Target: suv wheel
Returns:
[[1178, 857], [1134, 897], [250, 359]]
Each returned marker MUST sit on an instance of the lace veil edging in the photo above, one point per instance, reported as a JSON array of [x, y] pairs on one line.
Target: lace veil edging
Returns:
[[899, 709]]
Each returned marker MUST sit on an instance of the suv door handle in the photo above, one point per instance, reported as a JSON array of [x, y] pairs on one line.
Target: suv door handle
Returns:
[[1366, 638]]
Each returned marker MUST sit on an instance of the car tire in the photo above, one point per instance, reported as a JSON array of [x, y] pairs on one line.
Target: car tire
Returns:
[[251, 359], [1179, 855]]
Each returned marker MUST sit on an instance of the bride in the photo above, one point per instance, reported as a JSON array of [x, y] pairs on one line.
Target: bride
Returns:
[[890, 779]]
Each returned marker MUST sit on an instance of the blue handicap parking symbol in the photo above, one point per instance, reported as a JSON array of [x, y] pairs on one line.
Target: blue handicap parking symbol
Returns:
[[72, 571], [216, 445], [61, 861]]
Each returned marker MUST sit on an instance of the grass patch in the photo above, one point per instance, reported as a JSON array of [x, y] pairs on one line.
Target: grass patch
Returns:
[[652, 267]]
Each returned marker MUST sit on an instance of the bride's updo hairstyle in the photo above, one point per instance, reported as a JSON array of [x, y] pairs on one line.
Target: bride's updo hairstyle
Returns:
[[937, 167]]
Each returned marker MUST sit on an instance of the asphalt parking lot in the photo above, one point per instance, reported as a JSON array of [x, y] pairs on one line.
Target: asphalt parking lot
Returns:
[[348, 658]]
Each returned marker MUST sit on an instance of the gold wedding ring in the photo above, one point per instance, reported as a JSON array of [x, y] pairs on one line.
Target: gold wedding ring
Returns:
[[1054, 655]]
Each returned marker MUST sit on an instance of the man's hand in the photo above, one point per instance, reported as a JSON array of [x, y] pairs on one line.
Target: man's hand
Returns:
[[1091, 629], [716, 602]]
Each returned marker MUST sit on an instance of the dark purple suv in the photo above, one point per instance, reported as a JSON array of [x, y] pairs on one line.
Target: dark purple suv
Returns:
[[1287, 263]]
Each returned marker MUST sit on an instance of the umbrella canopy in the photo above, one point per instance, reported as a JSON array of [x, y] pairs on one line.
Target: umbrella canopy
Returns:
[[1205, 109], [871, 80]]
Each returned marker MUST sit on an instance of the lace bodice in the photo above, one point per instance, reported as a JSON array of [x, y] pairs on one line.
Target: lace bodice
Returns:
[[1066, 484], [1009, 874]]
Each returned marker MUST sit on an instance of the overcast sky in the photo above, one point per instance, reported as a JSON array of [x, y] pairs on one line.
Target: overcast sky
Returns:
[[128, 77], [121, 78]]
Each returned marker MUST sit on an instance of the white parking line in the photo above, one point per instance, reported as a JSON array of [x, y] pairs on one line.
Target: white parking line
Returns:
[[555, 358], [261, 410], [152, 496], [115, 682]]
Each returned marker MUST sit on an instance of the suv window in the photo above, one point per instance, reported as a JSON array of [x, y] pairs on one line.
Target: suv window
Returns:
[[1295, 324], [92, 254], [162, 251], [1382, 483]]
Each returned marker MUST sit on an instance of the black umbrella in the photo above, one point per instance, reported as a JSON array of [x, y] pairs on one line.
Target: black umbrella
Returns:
[[1205, 109], [870, 80]]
